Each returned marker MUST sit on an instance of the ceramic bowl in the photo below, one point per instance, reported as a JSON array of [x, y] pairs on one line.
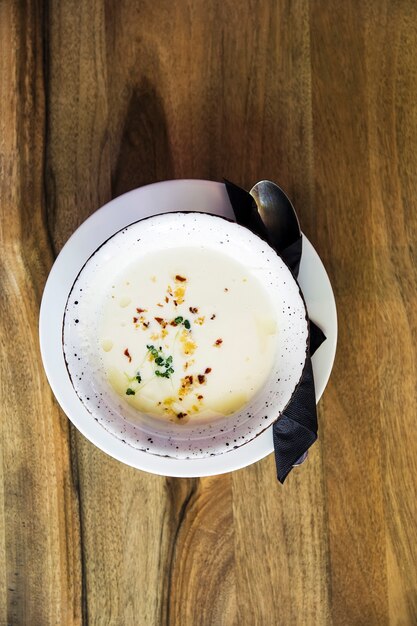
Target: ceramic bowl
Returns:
[[80, 338]]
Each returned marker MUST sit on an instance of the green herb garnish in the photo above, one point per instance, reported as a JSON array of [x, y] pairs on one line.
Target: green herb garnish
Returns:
[[153, 350], [161, 361], [187, 324], [178, 320], [130, 392], [138, 378], [165, 374]]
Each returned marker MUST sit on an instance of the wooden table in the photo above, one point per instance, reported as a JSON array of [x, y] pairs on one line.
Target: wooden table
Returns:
[[321, 96]]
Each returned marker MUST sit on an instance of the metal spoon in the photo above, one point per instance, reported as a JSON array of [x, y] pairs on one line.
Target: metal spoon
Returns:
[[277, 213], [280, 218]]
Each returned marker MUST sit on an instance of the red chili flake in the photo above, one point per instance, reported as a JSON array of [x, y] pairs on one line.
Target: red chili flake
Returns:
[[161, 321], [193, 309], [126, 353], [159, 304], [200, 397], [208, 370], [166, 299], [176, 303], [180, 278], [145, 324], [218, 342], [201, 379], [181, 415], [141, 310], [135, 320], [189, 379], [213, 316]]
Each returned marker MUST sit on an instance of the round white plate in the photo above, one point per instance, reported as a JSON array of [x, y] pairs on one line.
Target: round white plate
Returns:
[[176, 195]]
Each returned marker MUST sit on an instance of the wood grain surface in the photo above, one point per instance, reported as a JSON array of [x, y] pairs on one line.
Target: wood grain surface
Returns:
[[98, 97]]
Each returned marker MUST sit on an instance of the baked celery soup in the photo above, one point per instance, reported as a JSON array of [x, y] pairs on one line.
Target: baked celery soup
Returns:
[[187, 334]]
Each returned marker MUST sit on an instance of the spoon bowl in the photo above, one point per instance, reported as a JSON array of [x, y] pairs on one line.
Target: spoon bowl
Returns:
[[277, 213]]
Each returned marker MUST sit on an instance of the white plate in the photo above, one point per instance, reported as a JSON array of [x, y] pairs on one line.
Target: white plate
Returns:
[[183, 195]]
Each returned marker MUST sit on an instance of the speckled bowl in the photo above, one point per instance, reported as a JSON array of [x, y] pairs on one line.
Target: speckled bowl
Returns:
[[157, 437]]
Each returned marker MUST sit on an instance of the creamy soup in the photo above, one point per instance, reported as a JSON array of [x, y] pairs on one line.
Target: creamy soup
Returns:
[[187, 334]]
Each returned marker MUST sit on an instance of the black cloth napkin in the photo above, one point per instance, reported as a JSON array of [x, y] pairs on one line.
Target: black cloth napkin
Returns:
[[296, 429]]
